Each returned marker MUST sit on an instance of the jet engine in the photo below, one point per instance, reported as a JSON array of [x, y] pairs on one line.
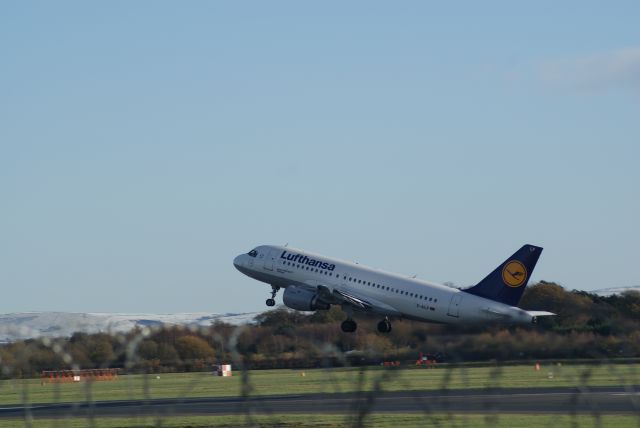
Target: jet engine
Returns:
[[302, 299]]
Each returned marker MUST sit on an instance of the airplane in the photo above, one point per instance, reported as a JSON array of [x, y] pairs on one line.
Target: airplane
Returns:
[[313, 282]]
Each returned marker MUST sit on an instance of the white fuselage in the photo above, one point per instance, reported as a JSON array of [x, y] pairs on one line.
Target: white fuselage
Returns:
[[398, 295]]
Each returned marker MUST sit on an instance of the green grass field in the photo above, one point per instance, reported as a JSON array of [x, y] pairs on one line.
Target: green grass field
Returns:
[[379, 420], [270, 382]]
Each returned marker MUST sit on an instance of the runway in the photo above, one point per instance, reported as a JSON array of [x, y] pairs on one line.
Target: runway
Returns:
[[597, 400]]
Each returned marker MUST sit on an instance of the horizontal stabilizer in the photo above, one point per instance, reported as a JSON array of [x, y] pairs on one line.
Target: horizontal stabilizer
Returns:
[[540, 313]]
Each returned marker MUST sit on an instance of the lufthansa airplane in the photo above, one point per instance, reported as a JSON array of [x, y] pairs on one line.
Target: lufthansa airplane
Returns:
[[314, 282]]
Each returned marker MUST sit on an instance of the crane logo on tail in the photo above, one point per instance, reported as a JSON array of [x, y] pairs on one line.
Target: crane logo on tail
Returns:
[[514, 274]]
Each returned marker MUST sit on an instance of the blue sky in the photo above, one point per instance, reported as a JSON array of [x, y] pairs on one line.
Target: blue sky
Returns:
[[144, 144]]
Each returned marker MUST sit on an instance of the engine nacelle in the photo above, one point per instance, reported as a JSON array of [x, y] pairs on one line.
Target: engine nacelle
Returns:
[[302, 299]]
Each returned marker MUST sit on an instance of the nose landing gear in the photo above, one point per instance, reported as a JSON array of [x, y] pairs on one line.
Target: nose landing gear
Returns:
[[272, 300]]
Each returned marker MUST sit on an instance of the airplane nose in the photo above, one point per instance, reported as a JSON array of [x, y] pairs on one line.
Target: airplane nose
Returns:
[[237, 262]]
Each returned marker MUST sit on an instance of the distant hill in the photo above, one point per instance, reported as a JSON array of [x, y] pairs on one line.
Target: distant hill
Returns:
[[615, 290], [28, 325]]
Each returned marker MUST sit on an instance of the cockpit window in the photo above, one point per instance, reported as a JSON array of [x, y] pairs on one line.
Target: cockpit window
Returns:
[[252, 253]]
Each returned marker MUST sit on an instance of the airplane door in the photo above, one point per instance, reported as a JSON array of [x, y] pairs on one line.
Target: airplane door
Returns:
[[269, 260], [454, 306]]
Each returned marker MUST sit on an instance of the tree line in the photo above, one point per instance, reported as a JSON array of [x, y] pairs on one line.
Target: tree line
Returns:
[[586, 326]]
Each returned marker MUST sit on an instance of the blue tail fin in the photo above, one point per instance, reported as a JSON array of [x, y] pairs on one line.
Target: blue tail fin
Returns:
[[507, 282]]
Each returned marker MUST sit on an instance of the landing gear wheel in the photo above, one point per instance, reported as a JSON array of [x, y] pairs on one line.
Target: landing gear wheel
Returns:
[[348, 326], [384, 326], [274, 291]]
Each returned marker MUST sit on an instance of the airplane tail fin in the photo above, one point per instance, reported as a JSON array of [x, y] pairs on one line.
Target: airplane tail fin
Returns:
[[508, 281]]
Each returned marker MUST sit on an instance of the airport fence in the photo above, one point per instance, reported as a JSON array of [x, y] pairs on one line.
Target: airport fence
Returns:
[[212, 376]]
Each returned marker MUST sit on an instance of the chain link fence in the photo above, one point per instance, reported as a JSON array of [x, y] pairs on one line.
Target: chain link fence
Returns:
[[170, 376]]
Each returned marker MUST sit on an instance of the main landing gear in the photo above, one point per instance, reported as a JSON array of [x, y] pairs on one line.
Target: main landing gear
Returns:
[[348, 325], [384, 326], [272, 300]]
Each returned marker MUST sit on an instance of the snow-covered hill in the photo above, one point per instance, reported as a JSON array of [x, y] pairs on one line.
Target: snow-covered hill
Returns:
[[29, 325], [615, 290]]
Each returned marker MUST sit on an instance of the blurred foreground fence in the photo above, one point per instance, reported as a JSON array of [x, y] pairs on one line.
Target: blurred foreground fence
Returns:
[[168, 377]]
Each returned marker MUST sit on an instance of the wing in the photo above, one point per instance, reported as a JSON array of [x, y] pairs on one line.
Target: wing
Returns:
[[359, 302]]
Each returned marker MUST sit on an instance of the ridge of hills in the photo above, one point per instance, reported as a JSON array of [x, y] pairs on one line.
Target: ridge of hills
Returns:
[[29, 325]]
